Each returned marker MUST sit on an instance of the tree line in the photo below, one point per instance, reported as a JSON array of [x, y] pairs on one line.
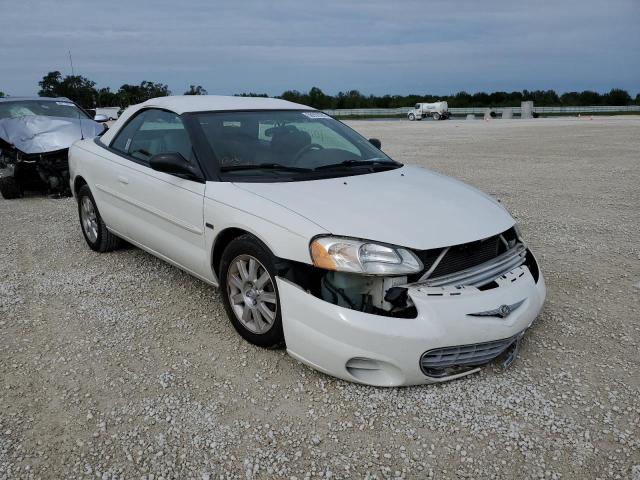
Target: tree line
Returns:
[[84, 92], [354, 99]]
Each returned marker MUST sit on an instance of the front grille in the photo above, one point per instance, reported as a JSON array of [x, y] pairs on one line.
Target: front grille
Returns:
[[436, 362], [485, 273], [461, 257]]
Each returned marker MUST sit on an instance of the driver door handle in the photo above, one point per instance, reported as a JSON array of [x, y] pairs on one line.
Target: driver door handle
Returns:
[[123, 180]]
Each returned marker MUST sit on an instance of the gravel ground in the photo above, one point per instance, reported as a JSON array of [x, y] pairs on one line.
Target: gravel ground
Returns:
[[121, 366]]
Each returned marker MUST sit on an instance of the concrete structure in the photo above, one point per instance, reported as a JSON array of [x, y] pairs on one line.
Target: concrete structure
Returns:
[[526, 109]]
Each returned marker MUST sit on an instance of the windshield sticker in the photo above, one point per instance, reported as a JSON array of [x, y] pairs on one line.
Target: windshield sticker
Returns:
[[66, 104], [315, 115]]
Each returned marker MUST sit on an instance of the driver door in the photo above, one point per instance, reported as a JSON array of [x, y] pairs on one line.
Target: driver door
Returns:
[[163, 213]]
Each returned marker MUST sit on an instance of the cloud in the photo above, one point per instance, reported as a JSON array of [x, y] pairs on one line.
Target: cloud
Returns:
[[375, 46]]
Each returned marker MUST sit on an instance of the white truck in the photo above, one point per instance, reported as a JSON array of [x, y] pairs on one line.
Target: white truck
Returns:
[[437, 110]]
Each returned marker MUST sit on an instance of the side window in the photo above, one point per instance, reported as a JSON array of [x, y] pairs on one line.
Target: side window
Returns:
[[153, 132], [123, 139]]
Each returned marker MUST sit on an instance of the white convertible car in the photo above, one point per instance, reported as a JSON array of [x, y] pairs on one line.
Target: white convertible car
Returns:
[[365, 268]]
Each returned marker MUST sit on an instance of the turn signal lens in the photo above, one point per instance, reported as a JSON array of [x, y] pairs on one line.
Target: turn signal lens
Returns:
[[321, 257]]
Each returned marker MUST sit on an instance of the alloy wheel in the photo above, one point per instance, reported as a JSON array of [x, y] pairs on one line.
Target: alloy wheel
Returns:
[[89, 219], [252, 294]]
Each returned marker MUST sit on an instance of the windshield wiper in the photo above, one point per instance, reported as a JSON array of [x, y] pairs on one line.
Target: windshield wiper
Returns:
[[263, 166], [374, 162]]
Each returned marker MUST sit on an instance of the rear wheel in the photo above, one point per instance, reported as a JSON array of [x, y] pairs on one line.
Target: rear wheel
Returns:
[[93, 228], [10, 188], [436, 116], [251, 299]]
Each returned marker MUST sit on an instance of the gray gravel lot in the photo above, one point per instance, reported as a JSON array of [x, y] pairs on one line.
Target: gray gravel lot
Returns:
[[121, 366]]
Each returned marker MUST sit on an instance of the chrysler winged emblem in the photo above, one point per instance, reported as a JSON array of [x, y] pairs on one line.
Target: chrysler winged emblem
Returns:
[[503, 311]]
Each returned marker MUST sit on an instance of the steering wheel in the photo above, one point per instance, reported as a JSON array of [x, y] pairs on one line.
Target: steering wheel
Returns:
[[305, 149]]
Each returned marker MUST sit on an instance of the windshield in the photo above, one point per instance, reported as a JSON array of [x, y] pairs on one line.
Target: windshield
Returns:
[[288, 143], [47, 108]]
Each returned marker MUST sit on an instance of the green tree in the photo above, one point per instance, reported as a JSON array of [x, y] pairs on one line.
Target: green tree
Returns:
[[107, 98], [195, 90], [50, 84], [317, 98], [132, 94], [570, 99], [460, 100], [79, 89], [75, 87], [617, 96], [1, 94], [588, 98], [292, 96]]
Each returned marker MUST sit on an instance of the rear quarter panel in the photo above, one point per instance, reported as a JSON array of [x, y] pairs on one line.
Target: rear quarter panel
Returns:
[[92, 162]]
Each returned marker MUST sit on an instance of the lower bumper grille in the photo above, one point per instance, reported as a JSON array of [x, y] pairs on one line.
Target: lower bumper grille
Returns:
[[436, 362]]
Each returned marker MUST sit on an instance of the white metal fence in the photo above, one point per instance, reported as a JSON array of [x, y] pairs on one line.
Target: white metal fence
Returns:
[[366, 112]]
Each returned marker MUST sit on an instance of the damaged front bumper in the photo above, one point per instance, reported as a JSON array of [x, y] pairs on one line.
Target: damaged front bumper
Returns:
[[37, 171], [387, 351]]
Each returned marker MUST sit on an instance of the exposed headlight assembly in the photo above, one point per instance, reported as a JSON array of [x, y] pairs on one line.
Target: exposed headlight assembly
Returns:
[[360, 256]]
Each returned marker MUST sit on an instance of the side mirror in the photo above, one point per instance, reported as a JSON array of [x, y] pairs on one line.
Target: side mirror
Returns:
[[173, 163], [100, 118], [376, 143]]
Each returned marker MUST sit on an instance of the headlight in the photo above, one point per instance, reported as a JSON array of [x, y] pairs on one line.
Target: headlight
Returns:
[[360, 256]]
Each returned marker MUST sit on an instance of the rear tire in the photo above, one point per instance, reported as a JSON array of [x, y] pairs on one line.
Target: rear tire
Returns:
[[436, 116], [95, 232], [250, 292], [10, 188]]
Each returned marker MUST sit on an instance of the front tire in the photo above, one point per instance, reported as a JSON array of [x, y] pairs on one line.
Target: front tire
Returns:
[[250, 292], [10, 188], [412, 117], [94, 230]]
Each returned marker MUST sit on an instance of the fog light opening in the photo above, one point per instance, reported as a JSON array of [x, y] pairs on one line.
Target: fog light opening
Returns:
[[375, 372]]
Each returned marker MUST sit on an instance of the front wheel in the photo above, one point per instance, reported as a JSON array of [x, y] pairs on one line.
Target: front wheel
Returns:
[[93, 228], [251, 299], [412, 117]]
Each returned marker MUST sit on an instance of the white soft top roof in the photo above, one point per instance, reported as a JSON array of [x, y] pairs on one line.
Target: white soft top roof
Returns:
[[204, 103], [201, 103]]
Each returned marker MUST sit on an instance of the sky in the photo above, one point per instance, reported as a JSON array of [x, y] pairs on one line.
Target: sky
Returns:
[[377, 47]]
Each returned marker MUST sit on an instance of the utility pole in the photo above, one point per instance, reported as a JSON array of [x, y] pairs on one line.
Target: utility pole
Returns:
[[71, 62]]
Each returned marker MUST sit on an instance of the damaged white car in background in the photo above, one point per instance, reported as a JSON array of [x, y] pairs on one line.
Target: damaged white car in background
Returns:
[[366, 269], [35, 136]]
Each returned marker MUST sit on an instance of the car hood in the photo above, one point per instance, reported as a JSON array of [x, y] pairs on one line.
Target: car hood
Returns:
[[408, 206], [42, 134]]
